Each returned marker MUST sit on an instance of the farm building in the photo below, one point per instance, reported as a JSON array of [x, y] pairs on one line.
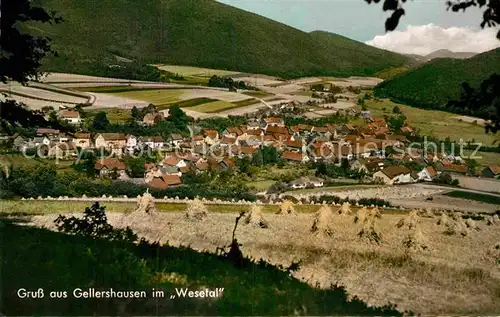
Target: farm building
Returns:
[[491, 171], [394, 175]]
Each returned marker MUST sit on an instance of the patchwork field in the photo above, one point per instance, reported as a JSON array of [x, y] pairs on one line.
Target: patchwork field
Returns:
[[195, 71], [439, 124], [453, 275]]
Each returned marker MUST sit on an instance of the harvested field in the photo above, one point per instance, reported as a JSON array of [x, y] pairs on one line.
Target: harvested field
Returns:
[[481, 184], [470, 120], [259, 81], [158, 96], [68, 78], [215, 106], [338, 105], [195, 71], [115, 101], [258, 94], [454, 275], [243, 110]]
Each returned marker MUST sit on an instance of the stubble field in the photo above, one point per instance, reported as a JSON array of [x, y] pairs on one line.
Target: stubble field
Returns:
[[454, 275]]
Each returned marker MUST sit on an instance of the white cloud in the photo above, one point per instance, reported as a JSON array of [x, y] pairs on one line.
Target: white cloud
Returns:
[[425, 39]]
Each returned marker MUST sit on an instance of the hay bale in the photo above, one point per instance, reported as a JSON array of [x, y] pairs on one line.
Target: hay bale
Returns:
[[145, 204], [456, 216], [375, 212], [415, 241], [322, 222], [443, 220], [362, 215], [429, 213], [409, 221], [456, 227], [344, 210], [287, 208], [370, 231], [492, 220], [255, 217], [471, 224], [196, 210]]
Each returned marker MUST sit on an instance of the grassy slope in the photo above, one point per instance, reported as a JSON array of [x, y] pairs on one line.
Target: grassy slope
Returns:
[[38, 258], [489, 199], [439, 81], [435, 123], [208, 34]]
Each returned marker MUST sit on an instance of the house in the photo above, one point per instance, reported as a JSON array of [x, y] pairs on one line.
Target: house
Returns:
[[171, 170], [83, 140], [202, 165], [131, 144], [233, 132], [152, 118], [114, 142], [369, 166], [164, 182], [247, 151], [427, 174], [71, 117], [18, 142], [393, 175], [173, 160], [152, 142], [175, 140], [305, 182], [296, 157], [273, 121], [210, 136], [491, 171], [105, 166], [277, 130], [408, 130], [38, 141], [455, 168], [47, 132], [348, 129], [62, 150]]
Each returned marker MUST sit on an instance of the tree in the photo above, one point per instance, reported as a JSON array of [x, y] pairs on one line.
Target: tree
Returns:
[[396, 110], [257, 158], [135, 113], [270, 154], [20, 56], [100, 122], [135, 167], [178, 117]]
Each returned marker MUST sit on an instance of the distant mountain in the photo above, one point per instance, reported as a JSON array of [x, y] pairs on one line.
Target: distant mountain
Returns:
[[440, 54], [433, 84], [449, 54], [202, 33]]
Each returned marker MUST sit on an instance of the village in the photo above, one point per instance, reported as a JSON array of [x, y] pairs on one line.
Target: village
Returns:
[[382, 154]]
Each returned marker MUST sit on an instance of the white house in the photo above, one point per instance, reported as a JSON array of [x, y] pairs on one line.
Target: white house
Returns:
[[131, 144], [427, 174], [41, 141], [71, 117], [394, 175], [154, 142]]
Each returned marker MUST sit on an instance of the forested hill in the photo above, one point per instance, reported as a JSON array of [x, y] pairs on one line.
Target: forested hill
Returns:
[[201, 33], [433, 84]]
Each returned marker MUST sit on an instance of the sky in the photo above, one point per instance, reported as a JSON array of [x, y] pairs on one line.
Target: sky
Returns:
[[426, 27]]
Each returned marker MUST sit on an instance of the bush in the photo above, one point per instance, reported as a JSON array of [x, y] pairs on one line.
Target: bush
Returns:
[[95, 225]]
